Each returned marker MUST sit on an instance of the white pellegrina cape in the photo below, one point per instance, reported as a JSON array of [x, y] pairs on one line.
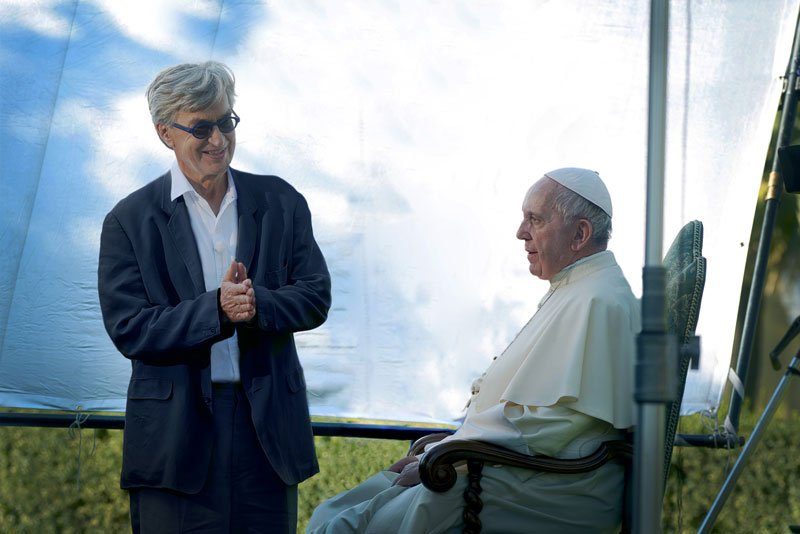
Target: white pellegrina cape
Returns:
[[578, 350]]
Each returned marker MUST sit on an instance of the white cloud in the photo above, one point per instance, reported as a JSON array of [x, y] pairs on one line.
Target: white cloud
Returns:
[[39, 16], [162, 24], [126, 151]]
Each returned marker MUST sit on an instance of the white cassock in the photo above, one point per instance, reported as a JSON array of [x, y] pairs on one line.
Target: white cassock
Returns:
[[564, 385]]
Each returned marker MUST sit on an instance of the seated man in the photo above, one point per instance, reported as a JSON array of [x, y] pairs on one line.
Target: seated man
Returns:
[[562, 387]]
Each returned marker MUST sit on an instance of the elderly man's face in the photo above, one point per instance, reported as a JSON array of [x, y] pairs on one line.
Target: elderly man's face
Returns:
[[202, 160], [547, 237]]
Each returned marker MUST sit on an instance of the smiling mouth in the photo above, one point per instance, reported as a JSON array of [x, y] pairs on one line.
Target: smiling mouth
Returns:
[[216, 153]]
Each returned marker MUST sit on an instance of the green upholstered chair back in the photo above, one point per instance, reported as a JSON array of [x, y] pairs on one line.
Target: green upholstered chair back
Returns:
[[685, 279]]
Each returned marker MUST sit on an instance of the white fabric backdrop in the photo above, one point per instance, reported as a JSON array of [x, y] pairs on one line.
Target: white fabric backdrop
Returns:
[[414, 129]]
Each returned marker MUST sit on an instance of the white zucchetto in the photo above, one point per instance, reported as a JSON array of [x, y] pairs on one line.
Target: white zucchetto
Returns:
[[584, 182]]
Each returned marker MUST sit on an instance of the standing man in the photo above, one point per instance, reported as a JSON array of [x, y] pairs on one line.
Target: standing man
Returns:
[[204, 276]]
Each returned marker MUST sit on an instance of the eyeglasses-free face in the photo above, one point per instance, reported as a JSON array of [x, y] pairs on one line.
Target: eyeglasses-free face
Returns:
[[204, 129]]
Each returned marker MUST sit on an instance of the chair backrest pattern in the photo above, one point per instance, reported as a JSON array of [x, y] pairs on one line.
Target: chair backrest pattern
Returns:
[[685, 279]]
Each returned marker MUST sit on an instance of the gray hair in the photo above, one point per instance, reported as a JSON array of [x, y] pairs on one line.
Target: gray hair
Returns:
[[571, 206], [189, 87]]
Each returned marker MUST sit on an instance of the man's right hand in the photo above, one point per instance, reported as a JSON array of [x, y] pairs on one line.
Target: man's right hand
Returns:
[[236, 296], [398, 466]]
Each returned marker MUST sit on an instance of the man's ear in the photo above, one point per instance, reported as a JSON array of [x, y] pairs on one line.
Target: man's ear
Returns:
[[583, 234], [164, 134]]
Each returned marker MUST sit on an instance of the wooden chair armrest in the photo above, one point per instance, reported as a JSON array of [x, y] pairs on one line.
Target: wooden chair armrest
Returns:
[[418, 447], [438, 473]]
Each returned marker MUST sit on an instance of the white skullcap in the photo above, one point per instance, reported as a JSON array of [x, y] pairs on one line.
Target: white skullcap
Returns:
[[584, 182]]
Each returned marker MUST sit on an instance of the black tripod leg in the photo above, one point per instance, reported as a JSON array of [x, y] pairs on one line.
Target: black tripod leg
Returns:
[[750, 446]]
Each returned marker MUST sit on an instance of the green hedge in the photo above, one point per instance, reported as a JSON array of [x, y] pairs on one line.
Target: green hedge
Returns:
[[766, 497], [39, 490]]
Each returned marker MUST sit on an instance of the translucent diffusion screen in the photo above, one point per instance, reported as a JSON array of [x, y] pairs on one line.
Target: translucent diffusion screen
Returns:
[[414, 130]]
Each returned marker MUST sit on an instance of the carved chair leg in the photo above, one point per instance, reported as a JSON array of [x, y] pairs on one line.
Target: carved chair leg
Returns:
[[472, 498]]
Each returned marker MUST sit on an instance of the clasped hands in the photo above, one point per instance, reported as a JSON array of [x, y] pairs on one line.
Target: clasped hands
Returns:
[[236, 296]]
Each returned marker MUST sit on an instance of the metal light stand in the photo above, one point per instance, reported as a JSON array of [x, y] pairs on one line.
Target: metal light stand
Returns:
[[772, 201], [792, 370], [656, 365], [774, 191]]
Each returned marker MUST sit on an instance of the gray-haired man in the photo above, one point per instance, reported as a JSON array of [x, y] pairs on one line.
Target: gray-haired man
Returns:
[[204, 275]]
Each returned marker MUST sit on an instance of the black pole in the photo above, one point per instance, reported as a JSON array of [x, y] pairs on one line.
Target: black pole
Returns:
[[774, 190], [655, 384], [750, 446], [117, 422]]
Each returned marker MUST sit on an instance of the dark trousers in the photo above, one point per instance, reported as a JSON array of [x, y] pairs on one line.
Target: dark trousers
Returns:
[[242, 492]]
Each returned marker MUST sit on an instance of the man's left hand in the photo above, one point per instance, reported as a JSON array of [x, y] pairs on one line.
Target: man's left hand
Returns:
[[401, 463], [237, 296], [409, 476]]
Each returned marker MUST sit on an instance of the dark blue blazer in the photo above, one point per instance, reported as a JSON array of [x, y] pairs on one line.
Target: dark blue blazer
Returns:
[[159, 314]]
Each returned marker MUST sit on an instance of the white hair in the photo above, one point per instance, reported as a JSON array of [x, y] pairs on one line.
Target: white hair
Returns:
[[189, 87], [571, 206]]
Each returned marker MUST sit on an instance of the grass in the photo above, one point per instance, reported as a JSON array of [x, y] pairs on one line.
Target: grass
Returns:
[[40, 491]]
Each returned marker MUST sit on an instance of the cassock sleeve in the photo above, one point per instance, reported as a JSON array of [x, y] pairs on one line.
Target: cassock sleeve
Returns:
[[555, 431], [550, 430]]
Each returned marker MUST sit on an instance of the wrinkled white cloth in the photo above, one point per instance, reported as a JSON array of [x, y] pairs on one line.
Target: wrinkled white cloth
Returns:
[[567, 409], [578, 349], [555, 431], [515, 501]]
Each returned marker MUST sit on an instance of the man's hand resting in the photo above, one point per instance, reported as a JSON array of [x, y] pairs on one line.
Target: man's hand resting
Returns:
[[236, 296], [408, 467]]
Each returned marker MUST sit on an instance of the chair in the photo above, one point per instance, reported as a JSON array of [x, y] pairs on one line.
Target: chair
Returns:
[[685, 279]]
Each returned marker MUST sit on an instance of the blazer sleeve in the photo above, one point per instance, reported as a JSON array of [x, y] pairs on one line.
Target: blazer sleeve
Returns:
[[302, 303], [139, 328]]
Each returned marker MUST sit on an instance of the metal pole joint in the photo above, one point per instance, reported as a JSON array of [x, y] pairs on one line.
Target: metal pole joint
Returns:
[[656, 368], [774, 186]]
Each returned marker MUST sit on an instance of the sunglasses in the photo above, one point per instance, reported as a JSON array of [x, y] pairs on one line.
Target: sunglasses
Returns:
[[204, 129]]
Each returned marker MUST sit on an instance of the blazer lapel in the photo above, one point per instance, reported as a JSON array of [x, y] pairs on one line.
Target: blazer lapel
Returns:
[[248, 227], [181, 229]]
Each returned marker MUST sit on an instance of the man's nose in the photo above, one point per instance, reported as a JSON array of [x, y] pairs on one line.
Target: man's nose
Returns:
[[522, 232], [216, 138]]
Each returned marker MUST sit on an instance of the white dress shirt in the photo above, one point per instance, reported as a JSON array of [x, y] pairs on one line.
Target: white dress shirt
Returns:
[[216, 237]]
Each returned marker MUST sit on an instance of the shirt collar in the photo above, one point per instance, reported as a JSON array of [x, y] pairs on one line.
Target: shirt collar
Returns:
[[181, 185], [583, 267]]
